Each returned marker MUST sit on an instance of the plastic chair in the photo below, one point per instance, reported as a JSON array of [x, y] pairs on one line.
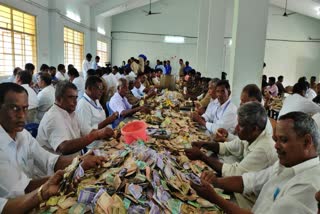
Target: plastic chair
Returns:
[[32, 128]]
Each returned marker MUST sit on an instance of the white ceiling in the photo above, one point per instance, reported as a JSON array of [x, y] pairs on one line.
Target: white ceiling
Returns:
[[305, 7]]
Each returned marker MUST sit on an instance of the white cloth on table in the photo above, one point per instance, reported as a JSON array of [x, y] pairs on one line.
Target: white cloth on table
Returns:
[[89, 113], [259, 155], [57, 126], [80, 84], [220, 116], [46, 98], [285, 190], [119, 104], [296, 102], [22, 159]]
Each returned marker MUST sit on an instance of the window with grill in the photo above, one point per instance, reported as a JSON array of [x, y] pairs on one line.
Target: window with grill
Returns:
[[73, 48], [102, 52], [17, 39]]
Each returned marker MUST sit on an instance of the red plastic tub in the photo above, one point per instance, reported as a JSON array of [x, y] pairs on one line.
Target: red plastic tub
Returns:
[[133, 131]]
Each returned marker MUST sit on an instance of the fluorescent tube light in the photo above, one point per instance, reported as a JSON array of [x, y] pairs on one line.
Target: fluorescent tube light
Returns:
[[174, 39]]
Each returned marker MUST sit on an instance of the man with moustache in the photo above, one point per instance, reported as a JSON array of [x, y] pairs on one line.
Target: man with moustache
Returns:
[[289, 186], [22, 159]]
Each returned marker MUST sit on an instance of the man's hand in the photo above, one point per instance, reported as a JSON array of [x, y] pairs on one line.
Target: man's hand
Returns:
[[91, 161], [209, 176], [115, 116], [221, 135], [194, 116], [198, 144], [51, 187], [105, 132], [194, 153], [204, 190]]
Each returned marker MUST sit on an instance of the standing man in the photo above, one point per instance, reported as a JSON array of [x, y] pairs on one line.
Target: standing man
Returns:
[[182, 66], [96, 63], [86, 65]]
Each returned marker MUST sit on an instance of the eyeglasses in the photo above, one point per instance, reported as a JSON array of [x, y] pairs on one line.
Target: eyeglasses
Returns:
[[16, 109]]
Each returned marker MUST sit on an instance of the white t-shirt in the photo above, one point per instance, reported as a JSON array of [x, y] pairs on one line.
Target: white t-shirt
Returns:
[[22, 159], [46, 98], [57, 126], [296, 102], [32, 97], [285, 190], [61, 76], [119, 104], [86, 65], [89, 113], [220, 116], [80, 84]]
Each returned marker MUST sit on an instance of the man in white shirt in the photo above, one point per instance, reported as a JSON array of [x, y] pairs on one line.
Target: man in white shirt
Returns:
[[111, 81], [12, 78], [250, 93], [21, 157], [119, 103], [115, 71], [46, 95], [221, 112], [59, 130], [77, 80], [289, 185], [86, 65], [24, 79], [61, 74], [298, 102], [252, 150], [89, 111], [95, 65], [27, 202]]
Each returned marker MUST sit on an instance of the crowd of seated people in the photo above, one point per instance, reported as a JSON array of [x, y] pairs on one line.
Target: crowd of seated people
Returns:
[[271, 168]]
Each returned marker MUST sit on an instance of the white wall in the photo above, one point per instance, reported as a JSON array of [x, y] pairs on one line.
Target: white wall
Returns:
[[294, 58], [290, 59], [50, 23], [129, 45], [178, 17]]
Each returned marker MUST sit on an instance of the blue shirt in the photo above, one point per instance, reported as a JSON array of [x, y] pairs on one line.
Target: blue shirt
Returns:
[[187, 69], [168, 69]]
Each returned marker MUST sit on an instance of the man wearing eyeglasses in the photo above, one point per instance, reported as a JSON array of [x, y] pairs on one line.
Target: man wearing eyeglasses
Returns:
[[23, 160], [89, 111], [60, 131]]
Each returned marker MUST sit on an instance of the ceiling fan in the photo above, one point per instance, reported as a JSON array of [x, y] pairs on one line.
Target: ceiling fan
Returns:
[[285, 14], [148, 13]]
